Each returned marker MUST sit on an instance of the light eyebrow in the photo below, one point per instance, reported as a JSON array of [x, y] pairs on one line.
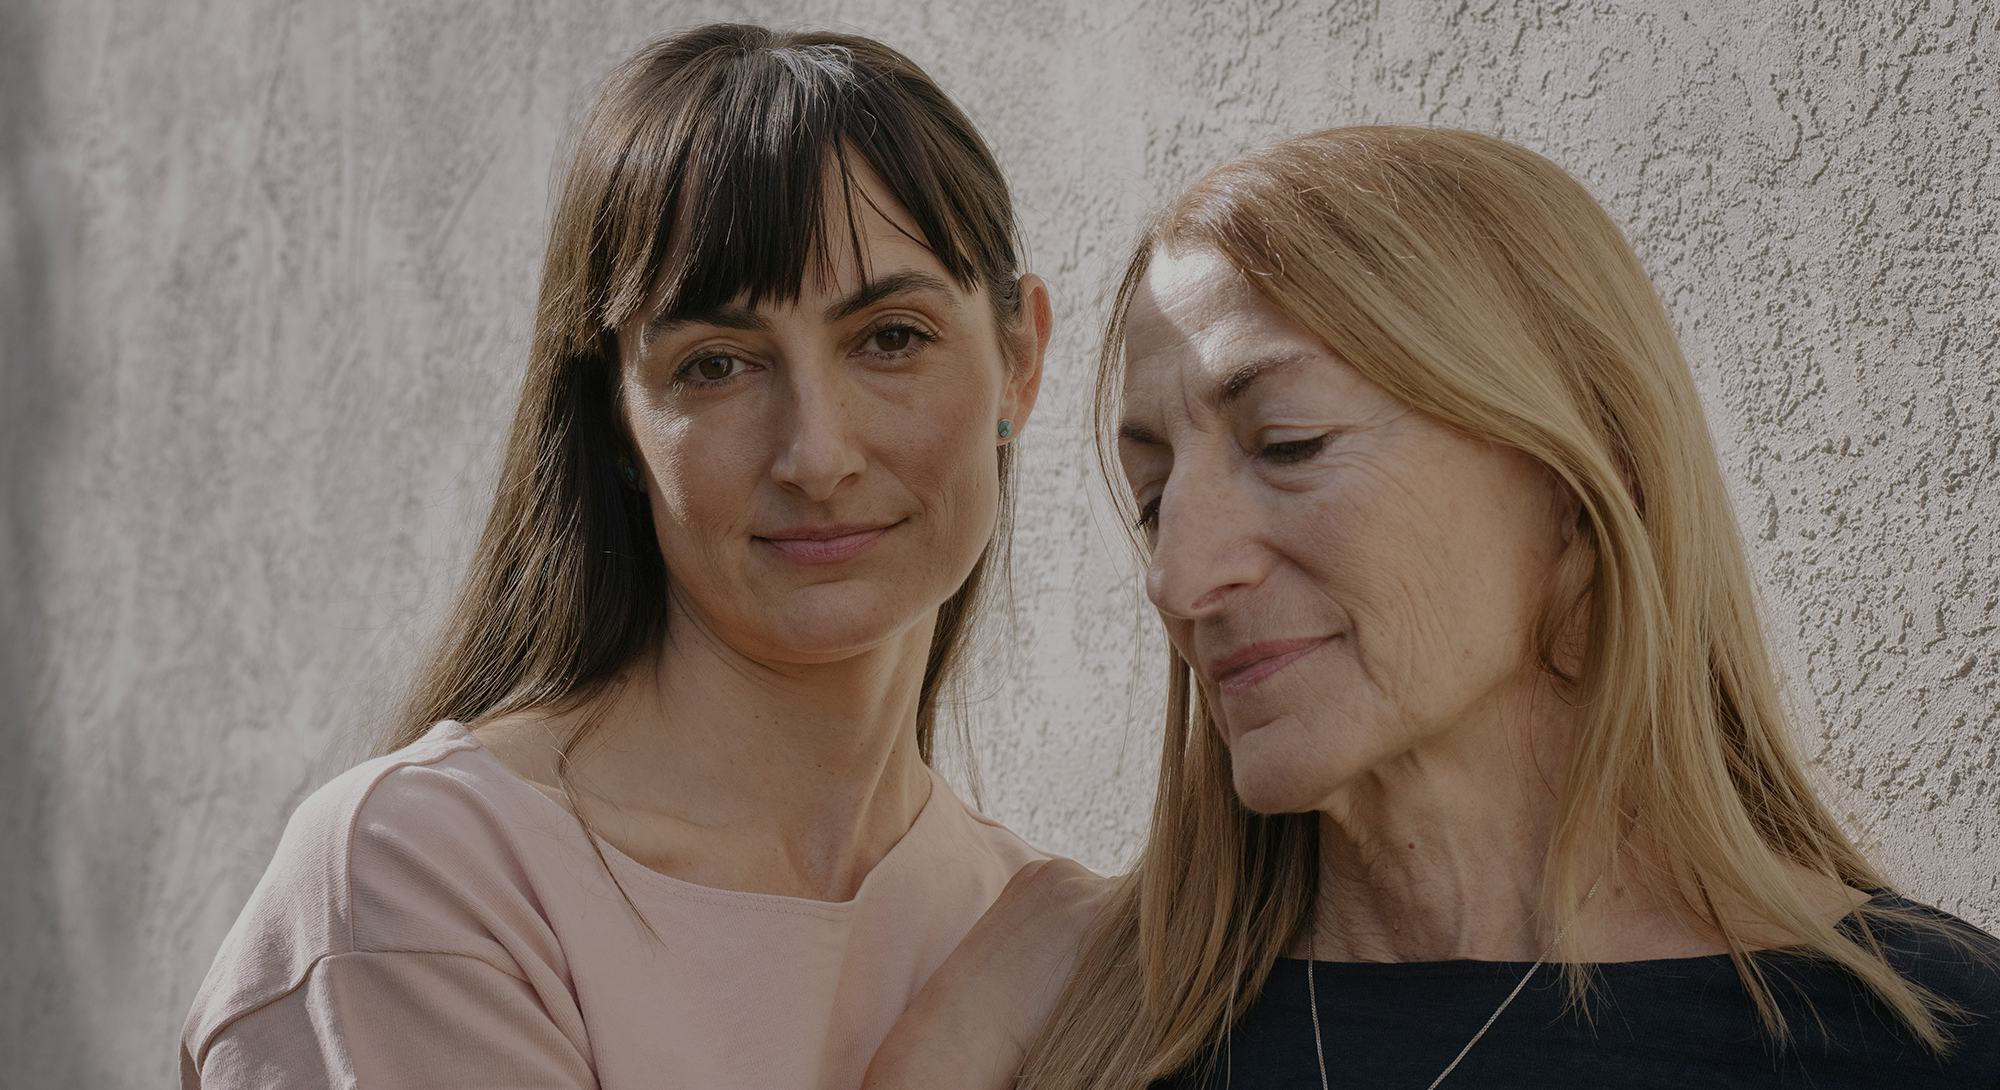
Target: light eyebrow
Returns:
[[874, 291], [1129, 432], [1243, 376]]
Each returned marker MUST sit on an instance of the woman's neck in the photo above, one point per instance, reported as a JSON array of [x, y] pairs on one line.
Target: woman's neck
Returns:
[[1438, 852], [723, 770], [1430, 860]]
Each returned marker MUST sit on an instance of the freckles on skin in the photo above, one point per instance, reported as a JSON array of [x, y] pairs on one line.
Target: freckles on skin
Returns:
[[683, 462], [959, 479]]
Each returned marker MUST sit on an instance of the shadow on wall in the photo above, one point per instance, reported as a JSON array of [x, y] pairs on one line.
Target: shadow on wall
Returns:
[[39, 1031]]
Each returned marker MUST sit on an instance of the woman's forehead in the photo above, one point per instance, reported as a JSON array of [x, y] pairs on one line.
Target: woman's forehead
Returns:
[[1197, 328], [881, 237], [864, 237]]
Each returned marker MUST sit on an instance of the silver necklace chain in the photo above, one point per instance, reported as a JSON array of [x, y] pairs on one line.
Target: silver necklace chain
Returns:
[[1312, 996]]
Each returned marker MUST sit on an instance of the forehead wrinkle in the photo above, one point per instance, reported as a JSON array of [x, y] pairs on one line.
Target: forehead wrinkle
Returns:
[[1207, 327], [1236, 384]]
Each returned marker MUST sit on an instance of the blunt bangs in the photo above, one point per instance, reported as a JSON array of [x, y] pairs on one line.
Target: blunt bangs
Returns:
[[720, 180]]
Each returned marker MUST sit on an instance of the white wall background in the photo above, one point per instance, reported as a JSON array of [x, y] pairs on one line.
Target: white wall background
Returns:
[[267, 277]]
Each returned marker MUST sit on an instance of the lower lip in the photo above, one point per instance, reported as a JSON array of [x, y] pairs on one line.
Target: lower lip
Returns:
[[830, 550], [1248, 678]]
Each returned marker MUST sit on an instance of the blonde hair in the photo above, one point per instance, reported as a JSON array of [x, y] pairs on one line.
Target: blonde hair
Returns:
[[1478, 283]]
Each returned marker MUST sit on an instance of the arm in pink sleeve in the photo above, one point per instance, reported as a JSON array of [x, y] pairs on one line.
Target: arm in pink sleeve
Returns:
[[395, 1019], [395, 941]]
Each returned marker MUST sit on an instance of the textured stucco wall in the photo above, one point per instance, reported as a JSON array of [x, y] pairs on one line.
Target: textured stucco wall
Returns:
[[266, 283]]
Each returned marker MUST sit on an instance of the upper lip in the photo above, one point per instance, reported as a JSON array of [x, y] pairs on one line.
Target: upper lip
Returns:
[[1243, 658], [824, 531]]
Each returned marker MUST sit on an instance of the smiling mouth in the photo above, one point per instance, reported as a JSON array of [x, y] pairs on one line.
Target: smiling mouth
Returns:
[[825, 544], [1245, 669]]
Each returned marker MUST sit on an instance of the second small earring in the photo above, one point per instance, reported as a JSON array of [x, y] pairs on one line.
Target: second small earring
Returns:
[[1006, 429]]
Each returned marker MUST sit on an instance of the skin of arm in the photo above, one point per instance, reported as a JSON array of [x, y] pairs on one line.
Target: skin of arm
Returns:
[[970, 1026]]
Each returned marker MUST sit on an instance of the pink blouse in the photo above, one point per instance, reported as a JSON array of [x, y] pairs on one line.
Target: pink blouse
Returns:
[[433, 920]]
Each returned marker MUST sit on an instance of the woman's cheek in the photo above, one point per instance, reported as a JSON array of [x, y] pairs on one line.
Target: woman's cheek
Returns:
[[946, 425]]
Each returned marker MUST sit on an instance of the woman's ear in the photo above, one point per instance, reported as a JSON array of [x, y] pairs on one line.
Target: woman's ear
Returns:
[[1029, 345]]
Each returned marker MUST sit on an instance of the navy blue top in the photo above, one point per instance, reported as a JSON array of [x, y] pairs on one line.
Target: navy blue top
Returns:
[[1679, 1023]]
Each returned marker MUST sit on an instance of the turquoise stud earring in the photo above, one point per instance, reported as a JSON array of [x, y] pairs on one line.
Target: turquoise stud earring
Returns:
[[1006, 429]]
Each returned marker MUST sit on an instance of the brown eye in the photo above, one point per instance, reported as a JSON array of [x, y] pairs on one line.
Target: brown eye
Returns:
[[897, 341], [712, 371]]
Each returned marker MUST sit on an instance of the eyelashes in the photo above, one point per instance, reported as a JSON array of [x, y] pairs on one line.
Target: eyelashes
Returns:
[[1293, 450], [698, 371], [910, 338], [889, 340], [1288, 452]]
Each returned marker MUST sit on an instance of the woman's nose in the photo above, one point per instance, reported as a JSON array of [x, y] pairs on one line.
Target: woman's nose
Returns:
[[821, 449], [1205, 550]]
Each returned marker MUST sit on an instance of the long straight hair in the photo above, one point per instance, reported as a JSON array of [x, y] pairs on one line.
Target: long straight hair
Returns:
[[699, 176], [1481, 285]]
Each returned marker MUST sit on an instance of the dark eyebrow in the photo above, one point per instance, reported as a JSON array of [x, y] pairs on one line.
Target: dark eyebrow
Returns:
[[1245, 375], [733, 316], [887, 287], [726, 315]]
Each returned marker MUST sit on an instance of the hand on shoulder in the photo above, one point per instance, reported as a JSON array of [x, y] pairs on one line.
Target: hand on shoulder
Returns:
[[970, 1025]]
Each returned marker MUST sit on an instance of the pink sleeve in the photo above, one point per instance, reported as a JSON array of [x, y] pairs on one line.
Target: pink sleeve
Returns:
[[394, 941], [395, 1019]]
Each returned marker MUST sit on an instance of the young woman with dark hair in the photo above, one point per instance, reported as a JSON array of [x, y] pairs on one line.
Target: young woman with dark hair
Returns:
[[659, 812]]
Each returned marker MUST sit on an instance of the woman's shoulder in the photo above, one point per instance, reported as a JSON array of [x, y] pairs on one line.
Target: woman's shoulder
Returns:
[[433, 809], [991, 842], [1953, 961], [1943, 953], [414, 850]]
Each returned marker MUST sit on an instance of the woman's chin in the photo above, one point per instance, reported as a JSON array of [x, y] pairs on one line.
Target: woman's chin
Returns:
[[1263, 796], [854, 627], [1268, 783]]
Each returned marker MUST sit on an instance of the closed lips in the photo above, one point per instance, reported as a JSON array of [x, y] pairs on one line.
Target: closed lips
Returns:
[[1245, 667], [815, 544]]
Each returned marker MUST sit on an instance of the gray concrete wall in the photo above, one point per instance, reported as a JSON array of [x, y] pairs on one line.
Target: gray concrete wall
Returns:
[[267, 278]]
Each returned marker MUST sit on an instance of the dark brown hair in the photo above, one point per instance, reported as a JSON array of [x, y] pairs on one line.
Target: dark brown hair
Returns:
[[699, 177]]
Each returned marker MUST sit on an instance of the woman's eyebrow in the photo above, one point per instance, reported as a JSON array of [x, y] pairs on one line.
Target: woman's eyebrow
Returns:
[[1130, 432], [1235, 383], [726, 315], [737, 316], [894, 284], [1240, 378]]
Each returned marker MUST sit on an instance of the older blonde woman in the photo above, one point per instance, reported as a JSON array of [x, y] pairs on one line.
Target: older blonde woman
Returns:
[[1474, 769]]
